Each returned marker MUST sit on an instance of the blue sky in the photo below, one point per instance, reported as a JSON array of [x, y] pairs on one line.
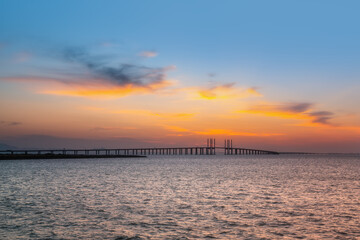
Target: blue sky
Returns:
[[265, 38]]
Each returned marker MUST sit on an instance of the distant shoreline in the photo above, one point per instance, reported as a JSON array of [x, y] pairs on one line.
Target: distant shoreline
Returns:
[[60, 156]]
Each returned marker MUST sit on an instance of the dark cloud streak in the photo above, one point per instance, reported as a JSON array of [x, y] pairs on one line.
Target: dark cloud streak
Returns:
[[296, 107], [302, 108], [124, 74], [322, 117], [7, 123]]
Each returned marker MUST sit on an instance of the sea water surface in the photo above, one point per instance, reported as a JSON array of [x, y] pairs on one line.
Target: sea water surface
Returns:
[[187, 197]]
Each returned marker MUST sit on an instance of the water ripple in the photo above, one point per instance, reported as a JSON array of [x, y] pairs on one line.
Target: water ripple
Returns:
[[209, 197]]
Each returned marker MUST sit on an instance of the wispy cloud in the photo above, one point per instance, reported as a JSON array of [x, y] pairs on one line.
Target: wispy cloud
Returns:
[[97, 89], [105, 129], [226, 91], [294, 107], [300, 111], [211, 75], [322, 117], [98, 76], [148, 54], [123, 74], [228, 132], [144, 112], [10, 123], [219, 91], [178, 116], [253, 91], [213, 132]]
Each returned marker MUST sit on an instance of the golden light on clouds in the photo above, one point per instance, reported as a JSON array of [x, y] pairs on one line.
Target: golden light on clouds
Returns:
[[226, 91], [166, 109], [214, 132], [182, 116], [296, 111], [106, 90], [278, 114]]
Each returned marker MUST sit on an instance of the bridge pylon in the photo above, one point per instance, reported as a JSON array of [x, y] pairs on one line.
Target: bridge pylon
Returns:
[[211, 146]]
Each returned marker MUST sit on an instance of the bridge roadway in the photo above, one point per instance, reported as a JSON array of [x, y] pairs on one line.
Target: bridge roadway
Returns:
[[144, 151]]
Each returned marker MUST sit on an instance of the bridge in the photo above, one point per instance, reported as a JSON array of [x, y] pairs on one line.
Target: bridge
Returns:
[[210, 149]]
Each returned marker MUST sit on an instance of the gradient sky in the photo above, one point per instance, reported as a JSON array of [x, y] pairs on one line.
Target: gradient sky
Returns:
[[277, 75]]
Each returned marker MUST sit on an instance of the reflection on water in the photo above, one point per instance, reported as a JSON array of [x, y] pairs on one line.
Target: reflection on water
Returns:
[[222, 197]]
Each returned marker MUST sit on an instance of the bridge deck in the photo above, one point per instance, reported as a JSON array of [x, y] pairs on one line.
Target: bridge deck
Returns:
[[145, 151]]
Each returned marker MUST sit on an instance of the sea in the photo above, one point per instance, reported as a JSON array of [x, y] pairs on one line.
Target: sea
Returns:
[[182, 197]]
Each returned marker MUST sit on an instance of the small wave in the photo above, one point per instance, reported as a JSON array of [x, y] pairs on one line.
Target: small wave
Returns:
[[129, 238]]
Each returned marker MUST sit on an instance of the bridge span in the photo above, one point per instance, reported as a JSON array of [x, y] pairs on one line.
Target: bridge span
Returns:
[[210, 149]]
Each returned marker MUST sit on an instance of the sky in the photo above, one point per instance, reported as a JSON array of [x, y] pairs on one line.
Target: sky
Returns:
[[280, 75]]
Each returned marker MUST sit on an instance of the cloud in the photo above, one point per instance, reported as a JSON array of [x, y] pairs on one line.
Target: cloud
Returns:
[[227, 132], [103, 129], [253, 91], [148, 54], [211, 75], [178, 116], [295, 107], [236, 133], [282, 107], [123, 74], [95, 88], [216, 91], [301, 111], [10, 123], [98, 77], [143, 112], [322, 117], [226, 91]]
